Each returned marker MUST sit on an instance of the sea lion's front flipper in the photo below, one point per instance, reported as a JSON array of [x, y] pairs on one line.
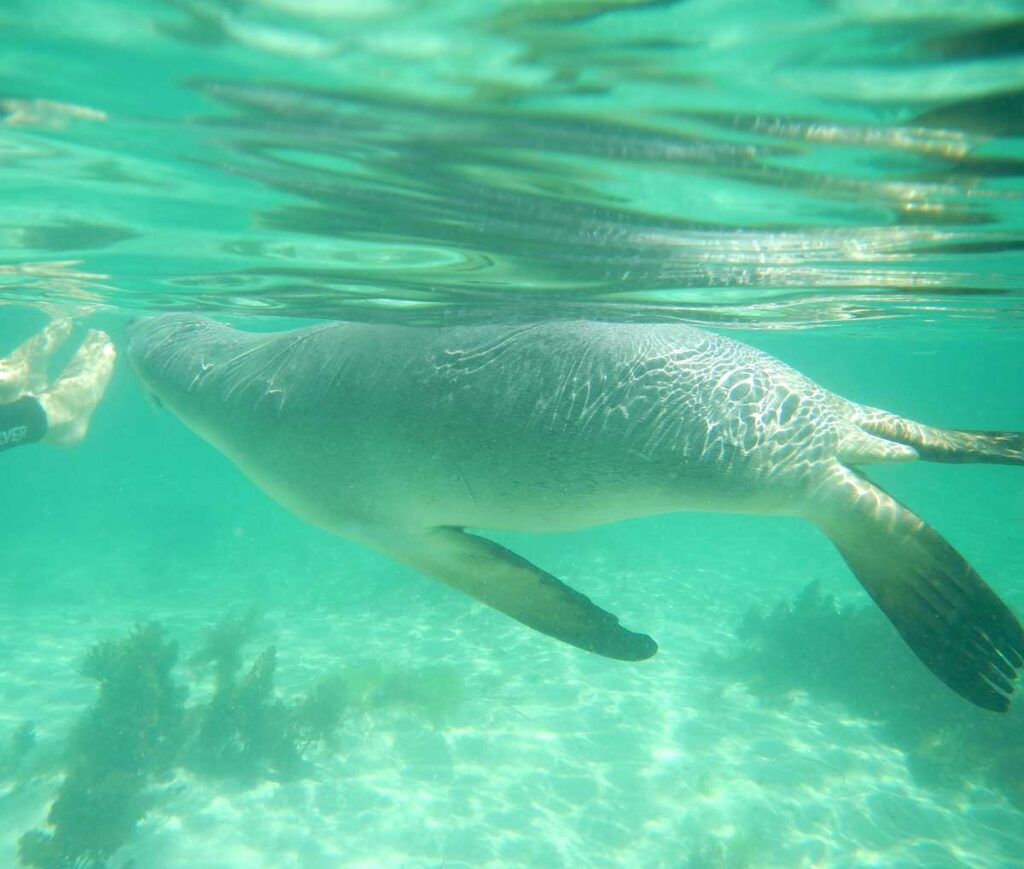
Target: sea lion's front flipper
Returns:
[[501, 579], [946, 613]]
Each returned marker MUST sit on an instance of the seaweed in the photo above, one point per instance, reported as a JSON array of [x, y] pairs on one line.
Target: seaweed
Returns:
[[17, 748], [431, 691], [319, 714], [223, 645], [712, 852], [833, 653], [131, 734], [139, 730], [245, 731], [852, 656]]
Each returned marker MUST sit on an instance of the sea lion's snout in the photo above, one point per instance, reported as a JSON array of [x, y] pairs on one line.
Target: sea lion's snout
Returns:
[[134, 334], [139, 331], [129, 338], [137, 343], [135, 324], [165, 351]]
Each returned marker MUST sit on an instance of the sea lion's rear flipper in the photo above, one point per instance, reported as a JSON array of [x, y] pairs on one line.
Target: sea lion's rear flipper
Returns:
[[501, 579], [943, 444], [945, 612]]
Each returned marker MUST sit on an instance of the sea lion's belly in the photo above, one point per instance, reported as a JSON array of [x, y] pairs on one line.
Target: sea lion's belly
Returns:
[[466, 471]]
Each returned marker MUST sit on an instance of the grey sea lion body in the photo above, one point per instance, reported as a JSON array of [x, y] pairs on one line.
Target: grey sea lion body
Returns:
[[402, 437]]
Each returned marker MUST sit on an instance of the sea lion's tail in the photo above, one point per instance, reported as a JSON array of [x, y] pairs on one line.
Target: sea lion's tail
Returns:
[[945, 612], [941, 444]]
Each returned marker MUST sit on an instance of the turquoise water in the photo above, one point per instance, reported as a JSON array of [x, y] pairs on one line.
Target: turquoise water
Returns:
[[836, 183]]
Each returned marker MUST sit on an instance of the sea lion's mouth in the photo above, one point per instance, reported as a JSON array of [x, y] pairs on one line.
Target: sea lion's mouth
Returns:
[[134, 343], [147, 341]]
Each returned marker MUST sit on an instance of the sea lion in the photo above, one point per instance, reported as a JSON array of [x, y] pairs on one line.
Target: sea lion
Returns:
[[401, 437]]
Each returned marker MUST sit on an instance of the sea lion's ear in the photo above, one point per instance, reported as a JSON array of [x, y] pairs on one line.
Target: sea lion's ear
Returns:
[[501, 579]]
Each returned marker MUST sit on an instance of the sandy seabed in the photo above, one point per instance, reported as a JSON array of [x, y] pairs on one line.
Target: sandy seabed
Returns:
[[551, 758]]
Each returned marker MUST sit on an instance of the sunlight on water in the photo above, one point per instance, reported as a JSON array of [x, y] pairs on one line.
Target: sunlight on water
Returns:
[[719, 161]]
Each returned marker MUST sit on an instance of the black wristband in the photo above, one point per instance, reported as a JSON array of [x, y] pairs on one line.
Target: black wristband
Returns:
[[22, 422]]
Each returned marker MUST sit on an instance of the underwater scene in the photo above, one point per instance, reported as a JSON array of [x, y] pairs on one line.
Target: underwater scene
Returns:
[[511, 433]]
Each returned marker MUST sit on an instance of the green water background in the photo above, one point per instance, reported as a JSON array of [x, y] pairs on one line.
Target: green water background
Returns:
[[836, 183]]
